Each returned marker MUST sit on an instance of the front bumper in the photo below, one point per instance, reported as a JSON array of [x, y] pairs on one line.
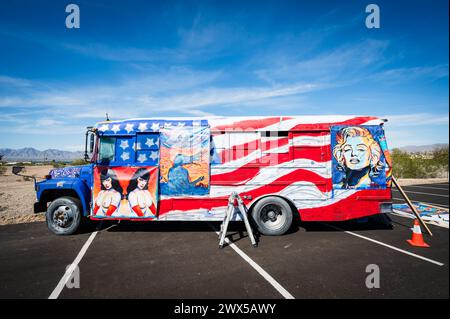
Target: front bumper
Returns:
[[39, 207]]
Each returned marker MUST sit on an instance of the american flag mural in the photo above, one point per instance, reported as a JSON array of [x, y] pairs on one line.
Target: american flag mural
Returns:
[[295, 158]]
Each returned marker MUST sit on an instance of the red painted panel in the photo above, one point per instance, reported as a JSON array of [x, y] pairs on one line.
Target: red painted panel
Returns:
[[348, 208]]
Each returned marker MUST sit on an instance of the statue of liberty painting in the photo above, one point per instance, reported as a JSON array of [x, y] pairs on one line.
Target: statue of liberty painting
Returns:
[[178, 179], [186, 153]]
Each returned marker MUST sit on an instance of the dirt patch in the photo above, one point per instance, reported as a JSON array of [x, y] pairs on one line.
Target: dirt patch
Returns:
[[17, 195], [7, 220]]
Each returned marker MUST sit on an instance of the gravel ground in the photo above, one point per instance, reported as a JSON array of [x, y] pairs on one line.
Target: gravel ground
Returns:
[[17, 196]]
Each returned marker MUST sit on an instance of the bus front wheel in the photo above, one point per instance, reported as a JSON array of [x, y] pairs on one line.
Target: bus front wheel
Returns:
[[272, 216], [64, 215]]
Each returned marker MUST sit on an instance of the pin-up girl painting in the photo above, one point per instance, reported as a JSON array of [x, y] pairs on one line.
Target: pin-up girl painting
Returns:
[[139, 197], [108, 199], [358, 157]]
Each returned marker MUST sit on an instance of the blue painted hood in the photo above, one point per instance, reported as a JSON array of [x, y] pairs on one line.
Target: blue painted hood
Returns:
[[68, 172]]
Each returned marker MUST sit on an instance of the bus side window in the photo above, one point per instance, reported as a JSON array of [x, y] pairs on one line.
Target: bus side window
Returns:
[[125, 152], [244, 145], [274, 147], [219, 142], [147, 149]]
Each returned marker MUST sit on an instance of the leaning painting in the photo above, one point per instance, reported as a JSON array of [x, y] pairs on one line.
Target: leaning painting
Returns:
[[361, 158], [184, 165]]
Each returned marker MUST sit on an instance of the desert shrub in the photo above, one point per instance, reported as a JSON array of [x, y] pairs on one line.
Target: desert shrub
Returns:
[[422, 165], [79, 162], [3, 170], [57, 164]]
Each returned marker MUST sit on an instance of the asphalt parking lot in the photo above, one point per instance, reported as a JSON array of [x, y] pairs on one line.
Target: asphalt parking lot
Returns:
[[433, 194], [182, 260]]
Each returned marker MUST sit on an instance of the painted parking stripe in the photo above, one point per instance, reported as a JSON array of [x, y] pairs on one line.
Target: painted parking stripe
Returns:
[[388, 246], [69, 271], [428, 187], [260, 270], [422, 193], [434, 204]]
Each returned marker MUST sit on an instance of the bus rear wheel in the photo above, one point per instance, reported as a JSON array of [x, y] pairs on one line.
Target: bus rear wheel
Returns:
[[64, 215], [272, 216]]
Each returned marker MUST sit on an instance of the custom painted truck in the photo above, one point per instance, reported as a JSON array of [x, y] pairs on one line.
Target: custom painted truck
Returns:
[[312, 168]]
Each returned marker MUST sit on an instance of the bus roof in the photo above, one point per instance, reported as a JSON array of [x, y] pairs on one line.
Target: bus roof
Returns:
[[241, 123]]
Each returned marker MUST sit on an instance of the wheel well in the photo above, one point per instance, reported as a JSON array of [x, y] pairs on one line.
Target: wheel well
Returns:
[[295, 212], [50, 195]]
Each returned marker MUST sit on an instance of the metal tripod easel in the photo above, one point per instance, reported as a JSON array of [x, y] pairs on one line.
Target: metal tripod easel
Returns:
[[234, 197]]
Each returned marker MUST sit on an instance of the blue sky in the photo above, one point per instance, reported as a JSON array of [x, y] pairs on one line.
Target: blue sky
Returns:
[[199, 58]]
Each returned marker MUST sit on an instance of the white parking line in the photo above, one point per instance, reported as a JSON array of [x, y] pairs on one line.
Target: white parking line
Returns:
[[69, 271], [259, 269], [422, 193], [428, 187], [434, 204], [388, 246]]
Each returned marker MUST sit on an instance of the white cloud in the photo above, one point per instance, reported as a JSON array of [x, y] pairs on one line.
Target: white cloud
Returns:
[[400, 75], [13, 81]]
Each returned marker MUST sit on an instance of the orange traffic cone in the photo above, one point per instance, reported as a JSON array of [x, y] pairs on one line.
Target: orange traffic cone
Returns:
[[417, 238]]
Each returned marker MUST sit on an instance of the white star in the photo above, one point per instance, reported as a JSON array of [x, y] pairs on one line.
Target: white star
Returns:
[[103, 128], [125, 156], [137, 146], [155, 126], [154, 155], [168, 124], [116, 128], [129, 127], [142, 127], [181, 124], [142, 158], [124, 144], [149, 142]]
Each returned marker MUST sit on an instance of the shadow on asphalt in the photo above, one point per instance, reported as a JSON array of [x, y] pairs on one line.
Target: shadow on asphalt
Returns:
[[378, 222], [238, 228]]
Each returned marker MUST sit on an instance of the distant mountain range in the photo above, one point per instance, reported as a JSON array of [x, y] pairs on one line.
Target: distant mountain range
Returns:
[[422, 148], [32, 154]]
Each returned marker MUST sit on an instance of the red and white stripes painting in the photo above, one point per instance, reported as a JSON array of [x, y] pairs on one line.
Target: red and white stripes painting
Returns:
[[284, 156]]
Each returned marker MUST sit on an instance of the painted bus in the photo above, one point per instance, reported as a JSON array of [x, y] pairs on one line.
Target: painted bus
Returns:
[[285, 168]]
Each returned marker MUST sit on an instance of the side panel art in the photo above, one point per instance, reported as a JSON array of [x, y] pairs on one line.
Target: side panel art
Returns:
[[125, 192], [184, 164], [360, 157]]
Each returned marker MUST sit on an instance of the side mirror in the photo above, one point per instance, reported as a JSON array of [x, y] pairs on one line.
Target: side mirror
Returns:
[[91, 144], [17, 169]]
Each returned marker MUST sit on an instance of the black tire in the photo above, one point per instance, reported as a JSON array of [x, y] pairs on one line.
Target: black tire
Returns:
[[272, 215], [64, 215]]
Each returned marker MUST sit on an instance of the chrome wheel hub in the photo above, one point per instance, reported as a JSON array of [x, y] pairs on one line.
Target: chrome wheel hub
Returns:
[[62, 216], [273, 216]]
